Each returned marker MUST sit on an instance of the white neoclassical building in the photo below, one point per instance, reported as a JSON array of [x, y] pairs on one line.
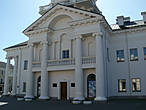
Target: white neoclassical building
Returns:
[[73, 53], [2, 77]]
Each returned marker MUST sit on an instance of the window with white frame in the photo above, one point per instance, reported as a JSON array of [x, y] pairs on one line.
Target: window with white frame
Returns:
[[65, 54], [120, 56], [134, 54], [122, 85], [136, 85]]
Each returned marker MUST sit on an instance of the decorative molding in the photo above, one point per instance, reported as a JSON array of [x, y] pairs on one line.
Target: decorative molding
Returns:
[[38, 31], [84, 21], [137, 29], [30, 44], [78, 36], [44, 43], [97, 34]]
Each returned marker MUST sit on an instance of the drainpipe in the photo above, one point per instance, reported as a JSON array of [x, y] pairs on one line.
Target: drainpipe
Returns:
[[128, 61]]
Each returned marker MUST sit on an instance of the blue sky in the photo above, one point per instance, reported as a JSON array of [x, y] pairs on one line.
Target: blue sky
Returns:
[[16, 15]]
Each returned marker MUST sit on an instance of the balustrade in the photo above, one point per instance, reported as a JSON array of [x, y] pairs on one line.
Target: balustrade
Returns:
[[85, 60]]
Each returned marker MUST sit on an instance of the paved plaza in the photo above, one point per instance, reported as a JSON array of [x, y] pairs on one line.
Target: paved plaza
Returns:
[[10, 103]]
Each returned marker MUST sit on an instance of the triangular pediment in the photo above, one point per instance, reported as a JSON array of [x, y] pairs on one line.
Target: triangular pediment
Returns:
[[75, 14]]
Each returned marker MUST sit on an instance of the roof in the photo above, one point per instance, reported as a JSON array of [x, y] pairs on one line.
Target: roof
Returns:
[[132, 24], [18, 45]]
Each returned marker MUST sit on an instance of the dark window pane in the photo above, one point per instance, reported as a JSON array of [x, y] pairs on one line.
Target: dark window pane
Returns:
[[72, 84], [24, 86], [25, 64], [54, 84], [65, 54], [144, 51]]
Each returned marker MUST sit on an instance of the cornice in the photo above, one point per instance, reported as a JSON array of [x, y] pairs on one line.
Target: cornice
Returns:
[[136, 29], [84, 21], [38, 31], [16, 48]]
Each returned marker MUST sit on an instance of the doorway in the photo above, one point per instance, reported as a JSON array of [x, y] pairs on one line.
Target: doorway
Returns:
[[64, 90], [38, 86], [91, 86]]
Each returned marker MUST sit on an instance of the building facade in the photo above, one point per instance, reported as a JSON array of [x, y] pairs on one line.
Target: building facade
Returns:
[[73, 53], [2, 77]]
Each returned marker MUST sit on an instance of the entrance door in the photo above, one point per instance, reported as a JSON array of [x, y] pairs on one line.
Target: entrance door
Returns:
[[38, 86], [91, 83], [64, 90]]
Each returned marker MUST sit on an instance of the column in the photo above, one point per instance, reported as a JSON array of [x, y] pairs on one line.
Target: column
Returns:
[[19, 71], [29, 81], [15, 76], [44, 72], [100, 80], [6, 83], [78, 70]]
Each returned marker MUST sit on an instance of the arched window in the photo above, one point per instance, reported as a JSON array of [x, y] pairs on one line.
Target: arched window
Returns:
[[91, 85]]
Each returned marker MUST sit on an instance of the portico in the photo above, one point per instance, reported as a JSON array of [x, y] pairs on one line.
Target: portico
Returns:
[[77, 64]]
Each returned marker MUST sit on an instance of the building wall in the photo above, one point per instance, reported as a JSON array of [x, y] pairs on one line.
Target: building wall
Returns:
[[128, 69]]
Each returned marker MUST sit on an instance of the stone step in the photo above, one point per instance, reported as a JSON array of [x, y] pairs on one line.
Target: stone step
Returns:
[[87, 102], [76, 102], [20, 99]]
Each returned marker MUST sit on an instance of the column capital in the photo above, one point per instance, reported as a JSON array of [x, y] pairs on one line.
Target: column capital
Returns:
[[8, 57], [78, 36], [15, 57], [96, 34], [30, 44], [44, 42]]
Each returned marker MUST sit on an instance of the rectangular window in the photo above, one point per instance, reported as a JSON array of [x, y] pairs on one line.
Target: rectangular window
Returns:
[[72, 84], [54, 84], [144, 51], [133, 54], [25, 64], [65, 54], [136, 85], [122, 85], [24, 86], [120, 56]]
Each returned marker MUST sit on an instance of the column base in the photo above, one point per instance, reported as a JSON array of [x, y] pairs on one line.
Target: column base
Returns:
[[79, 98], [5, 94], [44, 97], [100, 99], [28, 97], [13, 94]]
